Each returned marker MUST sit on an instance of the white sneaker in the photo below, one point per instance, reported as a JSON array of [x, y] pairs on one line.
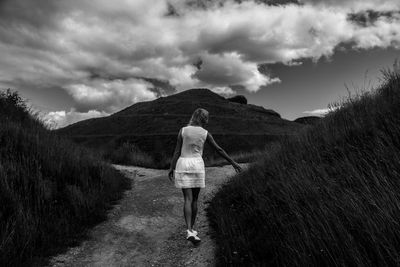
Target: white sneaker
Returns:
[[192, 237]]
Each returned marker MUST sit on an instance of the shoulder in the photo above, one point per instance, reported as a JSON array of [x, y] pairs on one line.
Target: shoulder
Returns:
[[206, 133], [183, 128]]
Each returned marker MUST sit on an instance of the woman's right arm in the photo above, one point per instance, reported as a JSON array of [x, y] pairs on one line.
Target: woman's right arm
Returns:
[[176, 155], [222, 152]]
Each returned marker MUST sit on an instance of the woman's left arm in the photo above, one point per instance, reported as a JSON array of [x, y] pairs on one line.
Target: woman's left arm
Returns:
[[176, 155]]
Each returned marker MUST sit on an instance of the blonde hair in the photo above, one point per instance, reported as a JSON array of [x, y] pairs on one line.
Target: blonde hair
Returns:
[[199, 117]]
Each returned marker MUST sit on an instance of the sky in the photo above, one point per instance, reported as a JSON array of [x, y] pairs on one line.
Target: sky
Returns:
[[80, 59]]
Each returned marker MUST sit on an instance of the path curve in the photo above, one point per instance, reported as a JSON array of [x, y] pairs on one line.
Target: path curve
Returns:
[[147, 227]]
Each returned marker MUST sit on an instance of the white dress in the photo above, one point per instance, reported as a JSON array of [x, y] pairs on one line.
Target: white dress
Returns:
[[189, 170]]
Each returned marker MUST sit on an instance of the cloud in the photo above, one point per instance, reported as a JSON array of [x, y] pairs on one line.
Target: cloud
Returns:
[[108, 55], [229, 69], [357, 5], [319, 112], [265, 34], [368, 18], [109, 95], [62, 118], [224, 91], [383, 32]]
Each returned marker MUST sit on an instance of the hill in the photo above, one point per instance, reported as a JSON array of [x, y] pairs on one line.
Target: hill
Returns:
[[151, 127], [328, 197], [50, 189]]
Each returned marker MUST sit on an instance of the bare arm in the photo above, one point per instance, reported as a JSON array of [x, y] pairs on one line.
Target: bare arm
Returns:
[[210, 140], [176, 155]]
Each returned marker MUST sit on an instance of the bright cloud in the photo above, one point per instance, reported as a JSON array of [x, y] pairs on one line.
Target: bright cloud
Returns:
[[106, 54], [110, 95], [224, 91], [318, 112]]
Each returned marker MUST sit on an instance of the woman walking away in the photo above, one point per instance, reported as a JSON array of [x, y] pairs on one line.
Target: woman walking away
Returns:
[[187, 166]]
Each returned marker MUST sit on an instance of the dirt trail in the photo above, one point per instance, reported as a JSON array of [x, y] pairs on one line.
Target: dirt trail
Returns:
[[147, 228]]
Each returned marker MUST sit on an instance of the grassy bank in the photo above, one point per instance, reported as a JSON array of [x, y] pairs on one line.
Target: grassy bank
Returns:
[[50, 189], [329, 197]]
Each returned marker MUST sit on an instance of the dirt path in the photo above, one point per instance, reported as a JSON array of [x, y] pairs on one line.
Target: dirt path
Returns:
[[147, 228]]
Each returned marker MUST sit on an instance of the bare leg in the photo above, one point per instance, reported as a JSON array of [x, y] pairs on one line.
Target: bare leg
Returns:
[[195, 193], [187, 207]]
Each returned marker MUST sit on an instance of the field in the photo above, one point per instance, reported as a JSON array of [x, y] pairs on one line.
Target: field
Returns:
[[328, 197], [50, 189]]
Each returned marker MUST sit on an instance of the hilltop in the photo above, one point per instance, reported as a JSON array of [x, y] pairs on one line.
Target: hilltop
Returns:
[[152, 126]]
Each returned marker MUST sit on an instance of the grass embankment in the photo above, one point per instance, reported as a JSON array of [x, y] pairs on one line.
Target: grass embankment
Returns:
[[329, 197], [50, 189]]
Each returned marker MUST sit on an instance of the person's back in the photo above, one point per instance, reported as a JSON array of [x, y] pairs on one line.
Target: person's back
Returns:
[[193, 139]]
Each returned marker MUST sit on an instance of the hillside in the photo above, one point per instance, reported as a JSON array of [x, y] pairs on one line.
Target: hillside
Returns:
[[152, 126], [50, 189], [310, 120], [328, 197]]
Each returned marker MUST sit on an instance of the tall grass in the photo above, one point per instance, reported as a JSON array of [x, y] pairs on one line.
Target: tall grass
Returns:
[[50, 189], [241, 157], [129, 154], [328, 197]]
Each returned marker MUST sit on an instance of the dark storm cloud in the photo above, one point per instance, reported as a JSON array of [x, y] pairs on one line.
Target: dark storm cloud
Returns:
[[110, 54]]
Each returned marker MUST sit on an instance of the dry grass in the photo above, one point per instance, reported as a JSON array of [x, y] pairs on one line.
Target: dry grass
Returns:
[[129, 154], [50, 189], [240, 157], [328, 197]]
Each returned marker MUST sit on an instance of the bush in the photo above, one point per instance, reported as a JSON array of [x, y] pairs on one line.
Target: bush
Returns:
[[50, 189], [328, 197]]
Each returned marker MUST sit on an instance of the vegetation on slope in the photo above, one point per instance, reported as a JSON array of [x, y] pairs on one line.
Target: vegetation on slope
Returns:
[[151, 128], [328, 197], [50, 189], [311, 120], [129, 154]]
